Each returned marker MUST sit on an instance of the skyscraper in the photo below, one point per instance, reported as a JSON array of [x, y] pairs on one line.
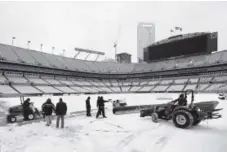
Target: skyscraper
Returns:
[[145, 37]]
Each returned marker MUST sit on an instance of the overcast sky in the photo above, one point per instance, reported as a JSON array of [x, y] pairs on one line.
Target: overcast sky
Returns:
[[94, 25]]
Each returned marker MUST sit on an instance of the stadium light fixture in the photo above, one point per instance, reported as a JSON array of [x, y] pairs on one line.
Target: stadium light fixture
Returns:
[[53, 49], [41, 47], [63, 52], [115, 48], [29, 43], [13, 38]]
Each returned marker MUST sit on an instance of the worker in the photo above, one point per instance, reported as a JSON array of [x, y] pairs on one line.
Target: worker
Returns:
[[101, 107], [88, 107], [48, 109], [61, 110], [26, 108], [181, 101]]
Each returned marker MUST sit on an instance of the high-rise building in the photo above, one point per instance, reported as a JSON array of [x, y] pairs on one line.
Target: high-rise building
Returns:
[[145, 37]]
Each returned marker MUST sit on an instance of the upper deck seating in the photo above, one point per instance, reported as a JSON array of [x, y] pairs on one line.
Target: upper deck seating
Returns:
[[36, 80], [223, 58], [3, 79], [190, 86], [26, 89], [176, 88], [30, 57], [8, 55], [214, 58], [6, 89], [17, 79], [48, 89]]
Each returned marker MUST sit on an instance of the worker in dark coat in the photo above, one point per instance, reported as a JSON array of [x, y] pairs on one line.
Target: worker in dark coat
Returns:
[[101, 107], [181, 101], [43, 113], [61, 110], [26, 108], [88, 107], [97, 104], [48, 109]]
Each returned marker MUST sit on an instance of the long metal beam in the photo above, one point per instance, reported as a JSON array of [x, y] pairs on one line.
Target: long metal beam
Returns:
[[89, 51]]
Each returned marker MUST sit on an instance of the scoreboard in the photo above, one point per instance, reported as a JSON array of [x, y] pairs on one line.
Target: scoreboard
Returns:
[[196, 44]]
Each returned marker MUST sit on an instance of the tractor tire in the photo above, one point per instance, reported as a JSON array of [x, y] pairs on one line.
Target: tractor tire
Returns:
[[11, 119], [31, 116], [182, 119]]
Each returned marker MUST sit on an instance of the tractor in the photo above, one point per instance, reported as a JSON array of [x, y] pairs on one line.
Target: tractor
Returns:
[[16, 112], [183, 116]]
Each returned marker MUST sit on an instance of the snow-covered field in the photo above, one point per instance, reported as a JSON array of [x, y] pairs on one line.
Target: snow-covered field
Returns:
[[116, 133]]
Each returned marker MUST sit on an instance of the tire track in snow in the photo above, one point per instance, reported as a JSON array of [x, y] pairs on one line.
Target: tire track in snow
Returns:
[[129, 138], [162, 139]]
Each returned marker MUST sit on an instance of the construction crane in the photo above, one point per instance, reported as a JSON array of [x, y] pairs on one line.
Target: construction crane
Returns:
[[116, 43]]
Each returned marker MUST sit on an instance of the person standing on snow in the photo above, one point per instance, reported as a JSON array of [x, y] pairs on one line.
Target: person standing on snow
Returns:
[[26, 108], [61, 110], [88, 107], [43, 113], [101, 107], [48, 108]]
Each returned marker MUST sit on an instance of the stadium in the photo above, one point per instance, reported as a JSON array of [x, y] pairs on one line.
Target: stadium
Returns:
[[30, 73]]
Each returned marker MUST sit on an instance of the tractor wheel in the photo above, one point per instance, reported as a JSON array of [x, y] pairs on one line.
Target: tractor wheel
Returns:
[[31, 116], [154, 117], [11, 119], [182, 119]]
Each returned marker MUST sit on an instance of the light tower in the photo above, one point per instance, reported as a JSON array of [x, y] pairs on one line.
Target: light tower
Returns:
[[13, 38], [41, 47], [29, 43], [53, 49]]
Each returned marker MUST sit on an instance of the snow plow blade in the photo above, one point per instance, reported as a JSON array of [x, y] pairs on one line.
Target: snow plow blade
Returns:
[[133, 109]]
